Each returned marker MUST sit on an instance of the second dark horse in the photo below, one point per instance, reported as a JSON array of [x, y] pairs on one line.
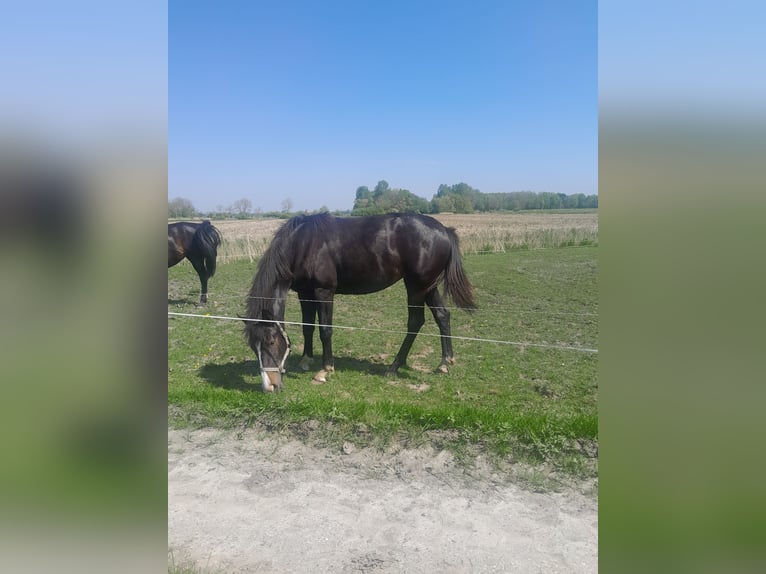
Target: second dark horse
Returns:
[[320, 255], [198, 242]]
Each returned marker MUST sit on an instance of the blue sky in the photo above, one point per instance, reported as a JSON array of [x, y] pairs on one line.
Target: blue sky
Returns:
[[84, 71], [701, 57], [306, 100]]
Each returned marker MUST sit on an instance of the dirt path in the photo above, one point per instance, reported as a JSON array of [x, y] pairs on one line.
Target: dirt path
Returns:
[[249, 503]]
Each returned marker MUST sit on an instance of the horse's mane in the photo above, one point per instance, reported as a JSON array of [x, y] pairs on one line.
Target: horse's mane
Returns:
[[274, 267]]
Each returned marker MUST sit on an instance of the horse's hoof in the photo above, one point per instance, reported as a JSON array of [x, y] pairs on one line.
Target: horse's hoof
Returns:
[[305, 364], [320, 378], [442, 368]]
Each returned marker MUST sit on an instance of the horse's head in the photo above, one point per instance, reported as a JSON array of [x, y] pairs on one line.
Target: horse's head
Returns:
[[269, 340]]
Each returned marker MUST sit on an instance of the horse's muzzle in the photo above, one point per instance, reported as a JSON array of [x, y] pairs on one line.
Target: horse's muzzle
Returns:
[[271, 380]]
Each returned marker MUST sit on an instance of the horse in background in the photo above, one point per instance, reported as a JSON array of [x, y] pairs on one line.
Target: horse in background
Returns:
[[318, 256], [197, 242]]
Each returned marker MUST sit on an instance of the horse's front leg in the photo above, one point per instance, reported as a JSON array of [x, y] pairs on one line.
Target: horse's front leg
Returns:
[[324, 308], [308, 313]]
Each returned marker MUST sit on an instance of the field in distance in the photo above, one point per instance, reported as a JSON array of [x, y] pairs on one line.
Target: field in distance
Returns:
[[478, 232]]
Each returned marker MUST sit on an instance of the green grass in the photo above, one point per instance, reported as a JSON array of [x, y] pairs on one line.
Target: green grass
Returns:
[[511, 403]]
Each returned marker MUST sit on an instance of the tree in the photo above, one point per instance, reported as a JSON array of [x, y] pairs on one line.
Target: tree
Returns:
[[181, 208], [579, 200], [442, 204], [463, 189], [380, 189], [385, 199], [287, 204], [242, 207], [462, 204], [460, 198]]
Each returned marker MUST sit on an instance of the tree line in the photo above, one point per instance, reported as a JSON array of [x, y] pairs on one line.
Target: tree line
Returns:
[[462, 198], [182, 208], [458, 198]]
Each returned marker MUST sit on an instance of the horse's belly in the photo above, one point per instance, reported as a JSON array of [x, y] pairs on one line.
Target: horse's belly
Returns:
[[359, 285], [175, 255]]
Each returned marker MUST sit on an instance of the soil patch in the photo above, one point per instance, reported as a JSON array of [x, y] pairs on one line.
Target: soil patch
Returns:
[[254, 502]]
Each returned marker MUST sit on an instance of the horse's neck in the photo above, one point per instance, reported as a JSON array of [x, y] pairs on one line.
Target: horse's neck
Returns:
[[277, 303]]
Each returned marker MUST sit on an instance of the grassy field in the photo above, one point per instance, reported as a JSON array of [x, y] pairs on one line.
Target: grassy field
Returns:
[[512, 403]]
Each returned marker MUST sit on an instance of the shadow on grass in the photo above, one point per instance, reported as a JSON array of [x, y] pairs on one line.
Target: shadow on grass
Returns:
[[182, 301], [245, 375], [347, 364], [232, 375]]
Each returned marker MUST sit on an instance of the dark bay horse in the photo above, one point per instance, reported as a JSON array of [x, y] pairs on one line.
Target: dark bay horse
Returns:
[[198, 242], [318, 256]]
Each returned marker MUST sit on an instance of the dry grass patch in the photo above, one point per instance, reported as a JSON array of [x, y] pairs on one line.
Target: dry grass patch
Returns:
[[479, 232], [246, 239], [500, 232]]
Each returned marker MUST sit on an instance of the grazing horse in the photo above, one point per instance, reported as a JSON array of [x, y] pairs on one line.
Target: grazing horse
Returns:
[[198, 242], [318, 256]]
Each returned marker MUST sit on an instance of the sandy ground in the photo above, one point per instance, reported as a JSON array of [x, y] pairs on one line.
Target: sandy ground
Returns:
[[243, 502]]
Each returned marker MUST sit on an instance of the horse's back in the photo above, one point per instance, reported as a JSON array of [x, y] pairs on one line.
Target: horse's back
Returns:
[[357, 255]]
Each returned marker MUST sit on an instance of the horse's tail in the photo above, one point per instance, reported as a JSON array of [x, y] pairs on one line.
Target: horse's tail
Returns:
[[206, 240], [456, 284]]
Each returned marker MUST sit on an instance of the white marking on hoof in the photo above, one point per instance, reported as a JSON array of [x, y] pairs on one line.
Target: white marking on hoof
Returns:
[[442, 368], [320, 378]]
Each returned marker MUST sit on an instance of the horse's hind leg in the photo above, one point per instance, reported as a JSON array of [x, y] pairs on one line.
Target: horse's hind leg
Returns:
[[203, 289], [415, 319], [199, 266], [441, 315]]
